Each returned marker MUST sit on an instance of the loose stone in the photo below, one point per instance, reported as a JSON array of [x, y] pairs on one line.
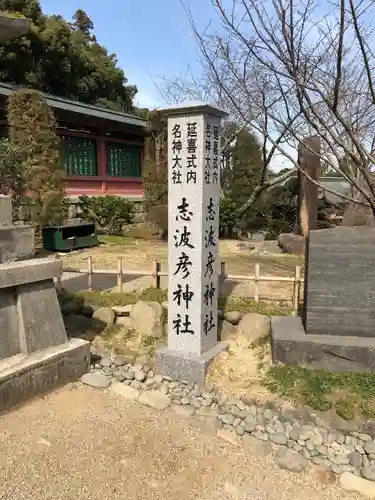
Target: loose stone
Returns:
[[240, 430], [119, 361], [227, 418], [368, 473], [250, 427], [262, 436], [96, 380], [267, 414], [129, 375], [310, 445], [290, 460], [355, 459], [207, 402], [306, 453], [164, 389], [105, 362], [339, 469], [369, 447], [364, 437], [140, 376], [294, 433], [278, 438]]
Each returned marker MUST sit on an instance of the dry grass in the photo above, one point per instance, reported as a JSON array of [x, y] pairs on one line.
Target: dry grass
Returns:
[[119, 340], [240, 371]]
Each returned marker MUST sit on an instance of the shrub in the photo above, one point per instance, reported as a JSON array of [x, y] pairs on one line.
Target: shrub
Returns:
[[12, 179], [32, 131], [110, 213]]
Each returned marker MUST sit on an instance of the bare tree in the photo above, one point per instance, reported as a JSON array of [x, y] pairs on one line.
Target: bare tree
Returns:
[[288, 69]]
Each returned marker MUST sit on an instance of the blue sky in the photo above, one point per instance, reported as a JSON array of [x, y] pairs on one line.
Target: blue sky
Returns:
[[151, 38]]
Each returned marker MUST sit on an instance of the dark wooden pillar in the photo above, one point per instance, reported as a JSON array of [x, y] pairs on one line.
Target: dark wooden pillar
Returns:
[[309, 162]]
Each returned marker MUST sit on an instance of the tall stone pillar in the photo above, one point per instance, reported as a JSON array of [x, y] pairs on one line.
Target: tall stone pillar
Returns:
[[193, 232]]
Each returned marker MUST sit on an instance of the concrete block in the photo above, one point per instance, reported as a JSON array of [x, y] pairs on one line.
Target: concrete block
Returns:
[[24, 377], [29, 271], [9, 339], [291, 345], [180, 366], [40, 318]]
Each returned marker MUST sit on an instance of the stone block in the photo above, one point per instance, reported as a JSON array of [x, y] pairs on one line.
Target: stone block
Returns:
[[24, 377], [180, 366], [39, 313], [340, 291], [291, 345], [9, 339], [16, 243], [125, 391], [155, 399], [29, 271]]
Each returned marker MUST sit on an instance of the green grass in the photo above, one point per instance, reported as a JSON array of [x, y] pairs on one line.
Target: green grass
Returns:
[[246, 305], [351, 395]]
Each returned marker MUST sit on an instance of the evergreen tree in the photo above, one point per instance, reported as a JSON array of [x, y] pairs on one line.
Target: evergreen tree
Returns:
[[63, 59]]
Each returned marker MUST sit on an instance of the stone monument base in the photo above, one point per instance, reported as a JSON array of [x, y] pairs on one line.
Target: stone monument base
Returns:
[[335, 353], [180, 366], [23, 376]]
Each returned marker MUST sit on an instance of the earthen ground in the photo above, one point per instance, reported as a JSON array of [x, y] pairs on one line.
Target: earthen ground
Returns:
[[78, 443]]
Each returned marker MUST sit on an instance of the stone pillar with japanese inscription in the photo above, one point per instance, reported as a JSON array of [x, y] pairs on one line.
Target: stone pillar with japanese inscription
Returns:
[[193, 232]]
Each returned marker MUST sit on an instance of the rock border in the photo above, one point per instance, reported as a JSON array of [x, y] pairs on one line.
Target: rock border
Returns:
[[299, 441]]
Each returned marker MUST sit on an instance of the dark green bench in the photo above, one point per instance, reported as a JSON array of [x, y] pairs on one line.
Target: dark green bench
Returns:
[[69, 237]]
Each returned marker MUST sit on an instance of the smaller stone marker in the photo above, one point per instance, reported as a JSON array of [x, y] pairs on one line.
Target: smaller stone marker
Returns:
[[5, 210], [193, 229]]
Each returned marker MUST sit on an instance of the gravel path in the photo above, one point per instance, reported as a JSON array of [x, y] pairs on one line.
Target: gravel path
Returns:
[[85, 444]]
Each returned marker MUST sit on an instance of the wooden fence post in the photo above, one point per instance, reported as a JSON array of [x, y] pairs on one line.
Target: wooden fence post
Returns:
[[297, 289], [256, 283], [155, 274], [59, 278], [90, 273], [119, 274]]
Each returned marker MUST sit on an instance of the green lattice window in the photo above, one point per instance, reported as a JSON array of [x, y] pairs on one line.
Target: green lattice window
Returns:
[[80, 156], [123, 161]]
